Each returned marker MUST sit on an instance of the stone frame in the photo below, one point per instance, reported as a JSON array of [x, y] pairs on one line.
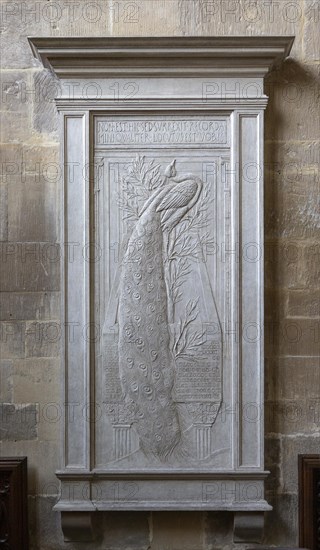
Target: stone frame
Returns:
[[170, 74]]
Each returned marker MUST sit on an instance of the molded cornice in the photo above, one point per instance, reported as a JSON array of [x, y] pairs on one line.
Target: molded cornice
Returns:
[[83, 57]]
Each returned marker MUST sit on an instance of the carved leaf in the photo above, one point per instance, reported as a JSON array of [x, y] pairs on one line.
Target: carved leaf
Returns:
[[141, 179]]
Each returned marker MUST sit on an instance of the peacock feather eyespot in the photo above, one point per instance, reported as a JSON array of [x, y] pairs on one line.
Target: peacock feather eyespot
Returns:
[[140, 344], [137, 276], [143, 367], [151, 307], [154, 354], [149, 329], [160, 319], [150, 267], [128, 329]]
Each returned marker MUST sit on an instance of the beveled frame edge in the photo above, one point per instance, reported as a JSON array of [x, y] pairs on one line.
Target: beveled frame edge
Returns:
[[162, 106], [307, 464], [12, 462], [95, 475], [88, 116]]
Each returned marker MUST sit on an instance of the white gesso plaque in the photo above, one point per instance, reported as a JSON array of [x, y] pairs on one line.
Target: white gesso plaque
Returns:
[[163, 273]]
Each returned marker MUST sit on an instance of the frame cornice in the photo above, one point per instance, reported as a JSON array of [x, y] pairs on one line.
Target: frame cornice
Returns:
[[110, 57]]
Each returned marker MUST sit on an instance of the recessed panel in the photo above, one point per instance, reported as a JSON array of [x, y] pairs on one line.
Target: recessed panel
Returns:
[[162, 293]]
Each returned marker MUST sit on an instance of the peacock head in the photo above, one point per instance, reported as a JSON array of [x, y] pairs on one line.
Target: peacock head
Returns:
[[170, 171]]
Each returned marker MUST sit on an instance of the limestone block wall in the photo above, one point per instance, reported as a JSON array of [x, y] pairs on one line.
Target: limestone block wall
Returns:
[[30, 186]]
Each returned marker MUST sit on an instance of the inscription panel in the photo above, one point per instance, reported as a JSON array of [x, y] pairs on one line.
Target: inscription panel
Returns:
[[159, 132], [162, 367]]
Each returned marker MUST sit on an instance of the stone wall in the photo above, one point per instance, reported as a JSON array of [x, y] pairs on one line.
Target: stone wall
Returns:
[[30, 186]]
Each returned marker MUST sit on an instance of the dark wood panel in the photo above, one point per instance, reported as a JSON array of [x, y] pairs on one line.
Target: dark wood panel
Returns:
[[13, 504], [309, 501]]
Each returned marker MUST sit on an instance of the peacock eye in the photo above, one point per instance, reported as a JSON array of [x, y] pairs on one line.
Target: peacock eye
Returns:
[[143, 367], [150, 329], [130, 362]]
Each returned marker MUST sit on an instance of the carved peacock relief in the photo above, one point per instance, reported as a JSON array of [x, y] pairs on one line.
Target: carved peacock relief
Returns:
[[161, 334]]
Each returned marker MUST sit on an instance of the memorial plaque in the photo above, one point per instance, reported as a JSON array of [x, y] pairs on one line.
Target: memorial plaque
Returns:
[[162, 274]]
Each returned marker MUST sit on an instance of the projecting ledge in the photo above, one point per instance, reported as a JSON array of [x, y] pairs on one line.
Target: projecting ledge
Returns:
[[75, 57], [80, 526]]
